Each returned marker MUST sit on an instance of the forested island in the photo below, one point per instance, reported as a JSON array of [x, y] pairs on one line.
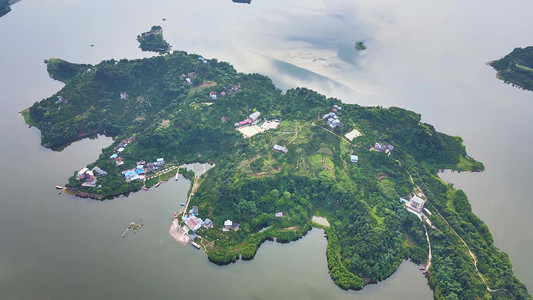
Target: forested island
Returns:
[[5, 6], [354, 165], [516, 68], [360, 46], [153, 40]]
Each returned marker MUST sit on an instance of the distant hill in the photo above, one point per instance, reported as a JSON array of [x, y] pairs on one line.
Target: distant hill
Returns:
[[516, 68]]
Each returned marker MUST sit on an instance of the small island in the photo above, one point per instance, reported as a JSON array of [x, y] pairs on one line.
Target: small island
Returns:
[[153, 40], [279, 159], [5, 6], [360, 46], [516, 68]]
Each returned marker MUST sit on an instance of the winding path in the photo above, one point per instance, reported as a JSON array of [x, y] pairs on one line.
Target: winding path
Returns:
[[466, 245], [474, 258], [429, 246]]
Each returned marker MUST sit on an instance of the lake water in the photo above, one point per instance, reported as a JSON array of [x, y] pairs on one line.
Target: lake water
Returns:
[[424, 56]]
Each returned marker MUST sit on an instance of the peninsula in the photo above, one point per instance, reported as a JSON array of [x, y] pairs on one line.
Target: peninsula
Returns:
[[153, 40], [516, 68], [279, 159]]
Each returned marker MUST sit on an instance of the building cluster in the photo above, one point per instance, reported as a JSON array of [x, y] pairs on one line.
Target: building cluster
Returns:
[[252, 119], [189, 77], [88, 177], [118, 151], [194, 222], [332, 119], [142, 169], [382, 148]]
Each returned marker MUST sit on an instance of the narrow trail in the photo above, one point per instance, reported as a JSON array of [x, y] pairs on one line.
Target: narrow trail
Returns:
[[340, 137], [193, 190], [429, 246], [292, 140]]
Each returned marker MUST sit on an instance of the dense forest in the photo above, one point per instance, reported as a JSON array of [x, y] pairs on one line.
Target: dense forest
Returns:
[[183, 108], [153, 40], [516, 68]]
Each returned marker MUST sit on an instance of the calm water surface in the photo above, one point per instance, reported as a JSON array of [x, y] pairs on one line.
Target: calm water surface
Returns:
[[420, 56]]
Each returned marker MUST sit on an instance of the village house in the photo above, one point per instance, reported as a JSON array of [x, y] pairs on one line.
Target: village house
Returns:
[[61, 100], [87, 176], [99, 171], [193, 223], [228, 225], [280, 149], [354, 158], [208, 223], [123, 95], [81, 174], [416, 203], [278, 214]]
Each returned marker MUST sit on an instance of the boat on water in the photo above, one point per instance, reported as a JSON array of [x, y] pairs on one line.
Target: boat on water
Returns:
[[157, 184], [182, 204], [422, 268], [195, 245], [59, 187], [145, 188]]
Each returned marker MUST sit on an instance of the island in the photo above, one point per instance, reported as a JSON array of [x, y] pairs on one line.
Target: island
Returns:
[[516, 68], [279, 159], [5, 6], [153, 40], [360, 46]]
